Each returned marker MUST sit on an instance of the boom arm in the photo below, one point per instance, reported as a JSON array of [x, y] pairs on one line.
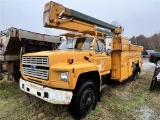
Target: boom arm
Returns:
[[57, 16]]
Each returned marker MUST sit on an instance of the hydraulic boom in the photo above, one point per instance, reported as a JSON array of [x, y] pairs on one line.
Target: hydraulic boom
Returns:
[[60, 17]]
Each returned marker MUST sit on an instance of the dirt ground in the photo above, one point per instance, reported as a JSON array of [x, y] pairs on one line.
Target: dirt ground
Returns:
[[130, 100]]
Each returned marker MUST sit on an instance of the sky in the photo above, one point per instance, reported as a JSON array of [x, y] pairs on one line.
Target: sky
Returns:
[[136, 16]]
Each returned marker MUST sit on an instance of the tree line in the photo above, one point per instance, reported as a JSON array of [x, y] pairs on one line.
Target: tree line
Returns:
[[149, 43]]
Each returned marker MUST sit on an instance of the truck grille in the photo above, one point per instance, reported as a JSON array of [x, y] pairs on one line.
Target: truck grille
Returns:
[[38, 73], [37, 67], [38, 61]]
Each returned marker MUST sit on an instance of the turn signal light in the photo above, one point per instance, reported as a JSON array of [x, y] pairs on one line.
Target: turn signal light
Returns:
[[70, 61]]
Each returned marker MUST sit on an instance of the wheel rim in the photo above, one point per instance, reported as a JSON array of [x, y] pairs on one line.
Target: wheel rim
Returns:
[[87, 100]]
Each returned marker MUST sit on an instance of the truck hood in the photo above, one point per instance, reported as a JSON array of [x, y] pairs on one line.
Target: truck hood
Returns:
[[42, 53]]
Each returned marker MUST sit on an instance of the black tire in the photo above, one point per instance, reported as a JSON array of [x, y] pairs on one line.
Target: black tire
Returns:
[[84, 100], [153, 84], [135, 73]]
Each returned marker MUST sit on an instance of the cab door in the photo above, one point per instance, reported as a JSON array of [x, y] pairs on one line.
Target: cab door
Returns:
[[102, 59]]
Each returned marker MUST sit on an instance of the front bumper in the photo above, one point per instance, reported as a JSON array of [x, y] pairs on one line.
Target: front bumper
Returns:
[[50, 95]]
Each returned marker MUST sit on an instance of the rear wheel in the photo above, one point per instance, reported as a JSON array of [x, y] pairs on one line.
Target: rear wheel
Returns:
[[84, 100]]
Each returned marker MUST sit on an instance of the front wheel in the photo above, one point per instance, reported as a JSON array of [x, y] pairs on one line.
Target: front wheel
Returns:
[[84, 100]]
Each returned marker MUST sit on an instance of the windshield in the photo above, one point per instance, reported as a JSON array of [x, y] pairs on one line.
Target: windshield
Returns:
[[77, 43]]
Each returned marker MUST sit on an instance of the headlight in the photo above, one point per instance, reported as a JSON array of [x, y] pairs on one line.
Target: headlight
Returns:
[[64, 76]]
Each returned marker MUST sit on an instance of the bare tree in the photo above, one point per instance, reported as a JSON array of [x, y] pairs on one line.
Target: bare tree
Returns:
[[149, 43], [116, 23]]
